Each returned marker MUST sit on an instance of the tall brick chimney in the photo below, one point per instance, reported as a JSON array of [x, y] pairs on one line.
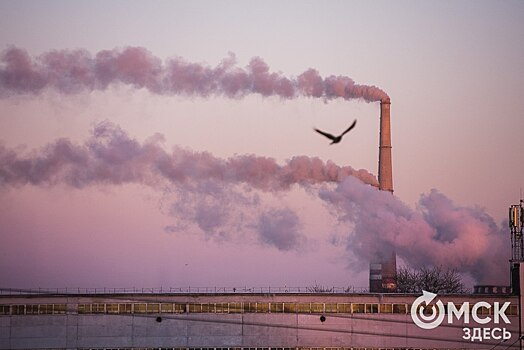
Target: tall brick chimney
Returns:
[[385, 171]]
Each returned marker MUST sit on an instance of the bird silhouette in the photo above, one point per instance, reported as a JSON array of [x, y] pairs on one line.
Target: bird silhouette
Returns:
[[336, 139]]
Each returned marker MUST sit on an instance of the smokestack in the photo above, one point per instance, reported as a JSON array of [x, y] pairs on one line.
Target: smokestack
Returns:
[[383, 270], [385, 172]]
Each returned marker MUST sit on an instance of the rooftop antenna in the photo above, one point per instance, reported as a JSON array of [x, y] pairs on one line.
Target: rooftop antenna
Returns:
[[516, 225]]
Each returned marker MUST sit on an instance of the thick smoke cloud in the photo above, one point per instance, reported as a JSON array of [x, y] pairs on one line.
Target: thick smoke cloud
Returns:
[[221, 198], [75, 71], [437, 233]]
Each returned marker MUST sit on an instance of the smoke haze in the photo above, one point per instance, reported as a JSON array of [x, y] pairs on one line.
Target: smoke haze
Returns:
[[75, 71]]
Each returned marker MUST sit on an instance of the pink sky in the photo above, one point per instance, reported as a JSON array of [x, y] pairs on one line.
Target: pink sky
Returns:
[[453, 72]]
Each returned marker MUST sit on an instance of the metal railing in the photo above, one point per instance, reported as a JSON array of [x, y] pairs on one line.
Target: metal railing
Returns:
[[186, 290]]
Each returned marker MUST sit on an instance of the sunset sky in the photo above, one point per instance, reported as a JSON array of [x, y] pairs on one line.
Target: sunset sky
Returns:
[[454, 71]]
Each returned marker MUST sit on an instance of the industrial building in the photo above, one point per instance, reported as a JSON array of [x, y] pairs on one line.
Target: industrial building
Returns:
[[241, 320]]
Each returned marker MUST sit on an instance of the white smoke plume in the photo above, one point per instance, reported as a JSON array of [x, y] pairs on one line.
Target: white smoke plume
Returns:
[[75, 71], [207, 191], [110, 156], [438, 233]]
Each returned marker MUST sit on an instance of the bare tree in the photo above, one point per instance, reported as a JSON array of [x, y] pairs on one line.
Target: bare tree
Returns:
[[318, 288], [434, 279]]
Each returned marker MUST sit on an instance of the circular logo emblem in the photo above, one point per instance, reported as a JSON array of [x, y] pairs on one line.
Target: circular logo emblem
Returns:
[[425, 320]]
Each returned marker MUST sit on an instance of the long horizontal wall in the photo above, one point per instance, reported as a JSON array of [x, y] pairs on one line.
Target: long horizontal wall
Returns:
[[232, 321]]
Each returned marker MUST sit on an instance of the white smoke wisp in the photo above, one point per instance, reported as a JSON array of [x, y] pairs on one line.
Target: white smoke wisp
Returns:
[[74, 71], [438, 233], [280, 228]]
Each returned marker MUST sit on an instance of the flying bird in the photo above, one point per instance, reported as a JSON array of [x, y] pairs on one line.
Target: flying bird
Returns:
[[336, 139]]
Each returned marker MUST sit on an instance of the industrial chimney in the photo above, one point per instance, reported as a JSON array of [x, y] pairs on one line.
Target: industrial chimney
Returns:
[[385, 172], [383, 267]]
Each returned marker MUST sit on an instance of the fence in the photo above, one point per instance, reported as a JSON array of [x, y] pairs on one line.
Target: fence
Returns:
[[186, 290]]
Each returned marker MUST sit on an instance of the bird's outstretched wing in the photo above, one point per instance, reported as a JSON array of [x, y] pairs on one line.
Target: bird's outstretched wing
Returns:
[[329, 136], [350, 127]]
